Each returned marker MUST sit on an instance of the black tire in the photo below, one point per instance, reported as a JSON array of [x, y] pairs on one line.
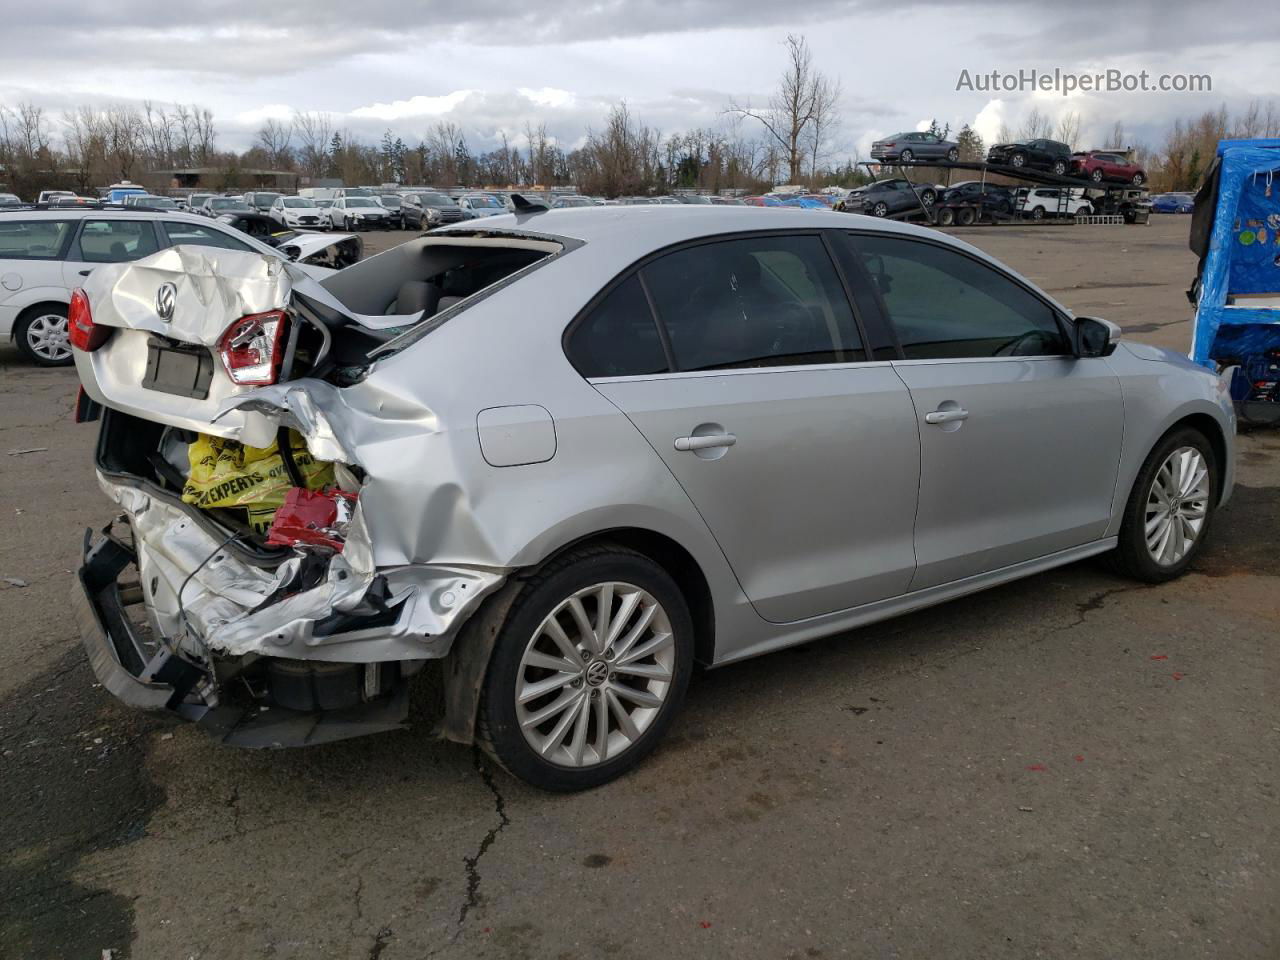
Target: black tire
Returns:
[[1060, 167], [953, 155], [927, 197], [498, 730], [1139, 179], [1096, 175], [1037, 213], [966, 216], [946, 217], [22, 334], [1131, 557]]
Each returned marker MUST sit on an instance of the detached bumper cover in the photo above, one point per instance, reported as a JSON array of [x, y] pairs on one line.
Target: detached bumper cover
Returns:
[[160, 680]]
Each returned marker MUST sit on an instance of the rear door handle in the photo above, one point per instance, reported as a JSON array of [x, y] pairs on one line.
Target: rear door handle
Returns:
[[85, 273], [946, 416], [706, 443]]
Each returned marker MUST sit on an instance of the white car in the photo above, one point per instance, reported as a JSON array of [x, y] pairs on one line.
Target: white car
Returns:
[[45, 254], [355, 213], [1036, 203], [296, 212]]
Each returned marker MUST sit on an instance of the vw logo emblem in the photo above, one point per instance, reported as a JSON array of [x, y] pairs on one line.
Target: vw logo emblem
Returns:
[[166, 300], [597, 673]]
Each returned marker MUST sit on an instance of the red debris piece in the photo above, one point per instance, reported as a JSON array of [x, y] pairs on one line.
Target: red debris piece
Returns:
[[1079, 758], [1160, 656], [705, 924], [1037, 768], [1177, 676], [316, 518]]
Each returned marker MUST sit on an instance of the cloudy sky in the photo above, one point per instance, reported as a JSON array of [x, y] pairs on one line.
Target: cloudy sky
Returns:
[[492, 66]]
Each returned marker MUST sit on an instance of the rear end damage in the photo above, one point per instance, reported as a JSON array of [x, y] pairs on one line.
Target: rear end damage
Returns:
[[283, 630]]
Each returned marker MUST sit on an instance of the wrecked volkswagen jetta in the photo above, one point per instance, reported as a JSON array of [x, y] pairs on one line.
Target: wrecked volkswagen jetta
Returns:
[[567, 455]]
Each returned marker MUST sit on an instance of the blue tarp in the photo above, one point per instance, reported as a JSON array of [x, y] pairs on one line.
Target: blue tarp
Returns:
[[1243, 255]]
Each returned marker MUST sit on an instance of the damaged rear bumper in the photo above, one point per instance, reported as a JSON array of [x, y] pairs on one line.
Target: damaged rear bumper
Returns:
[[158, 679]]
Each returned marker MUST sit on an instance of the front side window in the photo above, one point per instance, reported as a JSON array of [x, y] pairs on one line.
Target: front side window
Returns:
[[754, 302], [944, 304], [201, 236], [116, 241], [33, 239], [618, 338]]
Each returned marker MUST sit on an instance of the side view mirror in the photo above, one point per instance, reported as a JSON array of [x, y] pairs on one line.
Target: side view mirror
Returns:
[[1094, 337]]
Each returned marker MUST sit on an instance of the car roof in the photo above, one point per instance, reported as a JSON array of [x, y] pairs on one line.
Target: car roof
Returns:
[[115, 213]]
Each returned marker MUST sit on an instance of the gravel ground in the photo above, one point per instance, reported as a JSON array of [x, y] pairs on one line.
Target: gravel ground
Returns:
[[1069, 766]]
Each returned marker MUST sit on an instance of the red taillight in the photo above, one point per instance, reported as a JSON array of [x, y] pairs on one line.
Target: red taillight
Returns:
[[250, 348], [81, 330]]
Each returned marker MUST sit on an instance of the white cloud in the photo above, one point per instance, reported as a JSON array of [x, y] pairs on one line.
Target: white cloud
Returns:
[[419, 106], [990, 119], [548, 96], [268, 111]]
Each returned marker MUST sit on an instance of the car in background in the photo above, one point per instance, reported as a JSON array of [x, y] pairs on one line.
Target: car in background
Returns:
[[563, 202], [356, 213], [48, 196], [973, 201], [1100, 165], [1173, 203], [636, 201], [695, 199], [394, 205], [216, 206], [45, 254], [196, 200], [1037, 203], [295, 212], [118, 191], [727, 201], [331, 250], [765, 200], [425, 209], [807, 202], [477, 205], [910, 147], [985, 434], [1035, 154], [262, 200], [887, 197], [148, 201]]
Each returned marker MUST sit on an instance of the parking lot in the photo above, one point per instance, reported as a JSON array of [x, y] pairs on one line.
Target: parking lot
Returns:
[[1073, 765]]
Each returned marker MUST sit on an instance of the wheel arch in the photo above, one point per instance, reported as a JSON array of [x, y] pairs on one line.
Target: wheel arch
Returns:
[[46, 298], [1213, 432]]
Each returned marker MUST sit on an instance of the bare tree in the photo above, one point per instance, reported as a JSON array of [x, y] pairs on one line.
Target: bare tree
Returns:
[[314, 131], [158, 133], [122, 129], [826, 101], [1069, 128], [791, 109], [1036, 125], [275, 137]]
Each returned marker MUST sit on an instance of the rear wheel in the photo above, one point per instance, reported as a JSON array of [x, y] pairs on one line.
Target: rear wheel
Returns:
[[1018, 160], [1060, 167], [881, 209], [946, 217], [588, 671], [1037, 213], [41, 335], [1139, 179], [906, 156], [953, 155], [1096, 175], [965, 216], [1170, 509]]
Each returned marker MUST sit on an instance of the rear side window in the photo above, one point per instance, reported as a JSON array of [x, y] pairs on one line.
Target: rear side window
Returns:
[[945, 305], [618, 338], [117, 241], [753, 302], [33, 239], [201, 236]]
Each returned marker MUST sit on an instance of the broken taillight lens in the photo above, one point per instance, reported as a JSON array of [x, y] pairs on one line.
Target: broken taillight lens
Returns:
[[251, 348], [83, 333]]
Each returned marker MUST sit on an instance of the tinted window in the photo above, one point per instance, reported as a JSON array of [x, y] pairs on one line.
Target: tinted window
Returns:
[[758, 302], [944, 304], [201, 236], [618, 338], [116, 241], [32, 239]]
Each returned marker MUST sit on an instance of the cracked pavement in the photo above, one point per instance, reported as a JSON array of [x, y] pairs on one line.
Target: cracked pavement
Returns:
[[1071, 765]]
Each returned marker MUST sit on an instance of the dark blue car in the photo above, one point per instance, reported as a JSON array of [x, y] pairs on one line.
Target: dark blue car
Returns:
[[1173, 203]]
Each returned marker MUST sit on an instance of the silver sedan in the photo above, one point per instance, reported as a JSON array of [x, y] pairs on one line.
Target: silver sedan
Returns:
[[564, 456]]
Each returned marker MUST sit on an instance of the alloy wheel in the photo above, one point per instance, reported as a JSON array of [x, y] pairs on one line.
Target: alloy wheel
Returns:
[[47, 337], [595, 675], [1177, 506]]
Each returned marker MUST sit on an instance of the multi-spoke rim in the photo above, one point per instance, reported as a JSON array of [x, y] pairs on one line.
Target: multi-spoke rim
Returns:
[[47, 337], [595, 675], [1177, 506]]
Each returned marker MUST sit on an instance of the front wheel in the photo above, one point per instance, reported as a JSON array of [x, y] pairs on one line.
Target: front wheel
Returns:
[[41, 336], [953, 155], [946, 217], [1139, 179], [1018, 160], [1170, 509], [589, 669], [1096, 176], [1037, 213], [906, 156], [1060, 167], [881, 209]]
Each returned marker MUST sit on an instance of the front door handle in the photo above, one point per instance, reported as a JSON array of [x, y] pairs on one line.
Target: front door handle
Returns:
[[85, 273], [946, 416], [706, 443]]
